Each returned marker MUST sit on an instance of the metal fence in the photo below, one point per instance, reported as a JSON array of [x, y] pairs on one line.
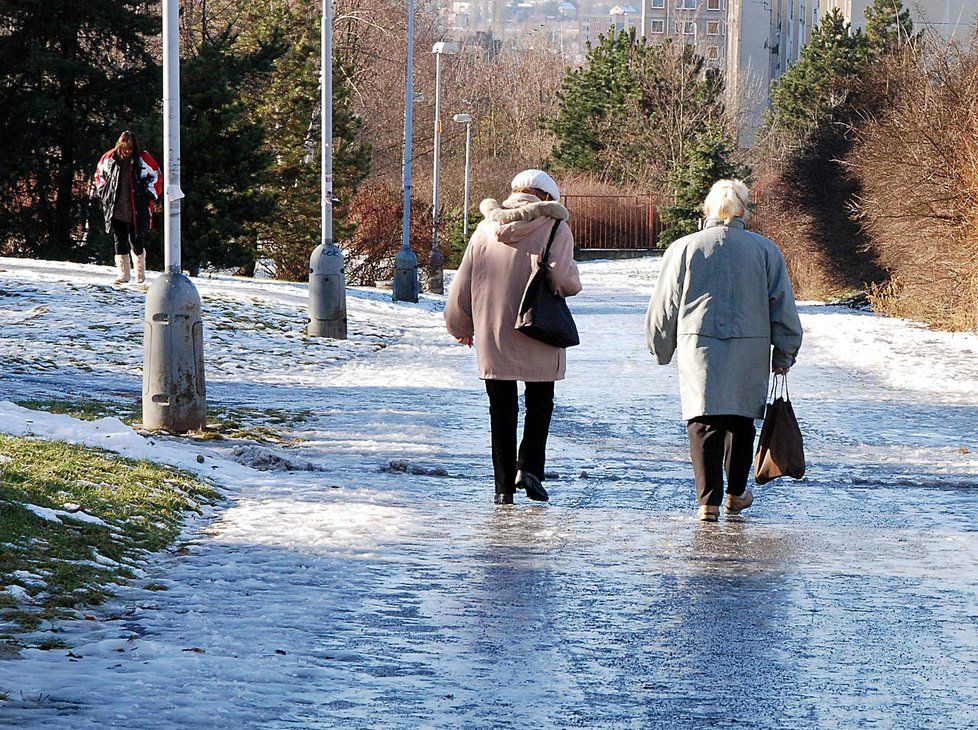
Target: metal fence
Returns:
[[605, 222]]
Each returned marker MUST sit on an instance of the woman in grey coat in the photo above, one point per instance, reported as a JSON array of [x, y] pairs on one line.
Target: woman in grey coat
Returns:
[[723, 301]]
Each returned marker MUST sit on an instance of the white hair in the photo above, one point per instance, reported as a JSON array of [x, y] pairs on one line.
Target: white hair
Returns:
[[727, 199]]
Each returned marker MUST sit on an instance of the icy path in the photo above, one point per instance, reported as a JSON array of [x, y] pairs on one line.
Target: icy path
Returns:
[[354, 597]]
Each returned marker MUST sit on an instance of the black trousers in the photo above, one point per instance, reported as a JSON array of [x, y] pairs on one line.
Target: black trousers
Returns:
[[125, 236], [504, 409], [716, 442]]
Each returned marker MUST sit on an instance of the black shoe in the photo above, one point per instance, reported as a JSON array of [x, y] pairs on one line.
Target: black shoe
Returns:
[[503, 498], [532, 485]]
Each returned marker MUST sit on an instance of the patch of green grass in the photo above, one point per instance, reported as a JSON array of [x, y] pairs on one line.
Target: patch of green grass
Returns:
[[86, 409], [266, 425], [76, 563]]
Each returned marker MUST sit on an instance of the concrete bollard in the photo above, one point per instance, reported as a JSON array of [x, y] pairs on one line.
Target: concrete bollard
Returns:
[[173, 356], [405, 276], [327, 292], [436, 275]]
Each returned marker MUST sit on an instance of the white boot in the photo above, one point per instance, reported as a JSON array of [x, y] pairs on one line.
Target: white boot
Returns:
[[141, 268], [122, 263]]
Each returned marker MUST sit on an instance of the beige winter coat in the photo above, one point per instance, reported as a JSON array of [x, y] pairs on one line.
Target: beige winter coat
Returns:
[[485, 296]]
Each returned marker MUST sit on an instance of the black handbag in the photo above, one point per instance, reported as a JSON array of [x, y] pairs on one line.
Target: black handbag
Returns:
[[781, 448], [543, 315]]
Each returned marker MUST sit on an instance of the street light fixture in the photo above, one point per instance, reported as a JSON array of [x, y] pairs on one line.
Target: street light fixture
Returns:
[[173, 340], [436, 279], [327, 282], [466, 119], [405, 286]]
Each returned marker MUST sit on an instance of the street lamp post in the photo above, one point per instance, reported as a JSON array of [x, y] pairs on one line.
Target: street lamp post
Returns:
[[327, 282], [173, 346], [436, 279], [405, 286], [466, 119]]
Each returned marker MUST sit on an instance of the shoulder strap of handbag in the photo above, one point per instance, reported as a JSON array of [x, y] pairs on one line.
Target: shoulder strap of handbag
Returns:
[[553, 234]]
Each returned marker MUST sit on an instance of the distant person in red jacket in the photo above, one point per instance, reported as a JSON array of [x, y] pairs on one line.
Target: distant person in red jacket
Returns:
[[128, 182]]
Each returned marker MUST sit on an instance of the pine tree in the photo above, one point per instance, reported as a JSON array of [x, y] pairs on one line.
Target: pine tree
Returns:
[[708, 159], [819, 86], [888, 26], [290, 102], [223, 158], [74, 75], [591, 95]]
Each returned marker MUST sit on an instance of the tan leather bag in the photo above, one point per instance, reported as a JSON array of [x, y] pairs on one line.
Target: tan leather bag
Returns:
[[780, 450]]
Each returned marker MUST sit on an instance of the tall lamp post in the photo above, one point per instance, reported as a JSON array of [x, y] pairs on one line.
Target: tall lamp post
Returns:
[[466, 119], [173, 343], [436, 279], [327, 282], [405, 287]]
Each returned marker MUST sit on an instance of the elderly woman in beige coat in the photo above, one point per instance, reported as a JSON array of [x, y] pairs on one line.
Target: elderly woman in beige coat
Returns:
[[482, 307], [723, 303]]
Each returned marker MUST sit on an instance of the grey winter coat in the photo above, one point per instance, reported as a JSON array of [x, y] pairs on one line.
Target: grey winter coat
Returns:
[[723, 299]]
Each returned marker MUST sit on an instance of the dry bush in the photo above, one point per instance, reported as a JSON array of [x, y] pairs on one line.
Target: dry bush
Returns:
[[376, 214], [918, 166], [777, 216]]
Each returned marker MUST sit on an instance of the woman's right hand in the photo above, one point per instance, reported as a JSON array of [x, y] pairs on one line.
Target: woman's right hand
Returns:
[[467, 341], [780, 371]]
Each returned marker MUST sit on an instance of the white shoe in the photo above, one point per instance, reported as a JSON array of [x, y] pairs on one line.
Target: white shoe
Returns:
[[708, 513], [122, 264], [736, 503]]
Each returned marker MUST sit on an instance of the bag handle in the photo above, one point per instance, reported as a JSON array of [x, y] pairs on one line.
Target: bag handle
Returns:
[[546, 252], [784, 387]]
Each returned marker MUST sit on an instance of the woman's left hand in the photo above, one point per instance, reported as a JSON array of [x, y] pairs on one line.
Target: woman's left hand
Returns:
[[467, 341]]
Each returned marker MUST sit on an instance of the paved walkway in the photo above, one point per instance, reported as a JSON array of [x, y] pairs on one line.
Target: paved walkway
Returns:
[[352, 596]]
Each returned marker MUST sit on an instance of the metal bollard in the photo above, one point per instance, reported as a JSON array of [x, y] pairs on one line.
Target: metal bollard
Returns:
[[405, 276], [173, 356], [327, 292]]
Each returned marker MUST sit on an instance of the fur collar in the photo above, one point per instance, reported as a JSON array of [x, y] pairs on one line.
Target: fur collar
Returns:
[[495, 212]]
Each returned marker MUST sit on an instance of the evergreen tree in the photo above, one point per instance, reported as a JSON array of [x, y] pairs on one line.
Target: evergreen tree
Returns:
[[819, 87], [888, 26], [592, 95], [223, 158], [708, 159], [290, 102], [74, 75]]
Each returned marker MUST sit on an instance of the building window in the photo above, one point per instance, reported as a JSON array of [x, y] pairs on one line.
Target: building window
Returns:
[[687, 27], [713, 27], [713, 53], [658, 26], [658, 3], [713, 4], [686, 4]]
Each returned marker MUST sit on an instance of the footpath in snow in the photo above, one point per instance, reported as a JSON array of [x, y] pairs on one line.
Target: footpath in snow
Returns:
[[357, 574]]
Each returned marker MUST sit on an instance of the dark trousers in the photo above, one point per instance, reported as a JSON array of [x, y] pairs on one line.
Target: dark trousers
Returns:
[[716, 442], [504, 409], [125, 236]]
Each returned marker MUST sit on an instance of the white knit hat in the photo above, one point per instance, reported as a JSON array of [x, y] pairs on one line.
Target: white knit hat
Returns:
[[536, 179]]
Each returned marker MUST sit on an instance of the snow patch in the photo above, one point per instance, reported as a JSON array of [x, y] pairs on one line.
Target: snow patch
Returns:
[[264, 459], [19, 593]]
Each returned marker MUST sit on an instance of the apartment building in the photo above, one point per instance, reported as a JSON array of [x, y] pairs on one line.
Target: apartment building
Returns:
[[701, 23], [952, 19]]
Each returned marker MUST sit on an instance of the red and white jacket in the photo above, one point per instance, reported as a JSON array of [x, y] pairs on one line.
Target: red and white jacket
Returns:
[[149, 172]]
